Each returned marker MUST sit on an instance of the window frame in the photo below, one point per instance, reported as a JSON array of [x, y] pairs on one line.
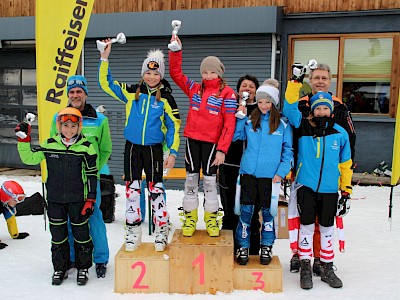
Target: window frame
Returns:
[[395, 67]]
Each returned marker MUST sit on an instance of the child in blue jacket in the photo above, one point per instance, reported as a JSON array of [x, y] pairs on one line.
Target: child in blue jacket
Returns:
[[266, 160], [323, 168]]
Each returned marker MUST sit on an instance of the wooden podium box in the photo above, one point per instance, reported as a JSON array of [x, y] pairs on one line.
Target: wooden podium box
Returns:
[[142, 271], [255, 276], [201, 264]]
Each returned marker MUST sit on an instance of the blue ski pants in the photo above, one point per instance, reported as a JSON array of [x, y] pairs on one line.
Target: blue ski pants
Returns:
[[242, 234]]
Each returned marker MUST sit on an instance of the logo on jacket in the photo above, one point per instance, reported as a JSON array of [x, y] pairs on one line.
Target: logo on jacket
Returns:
[[53, 155], [277, 133], [335, 145]]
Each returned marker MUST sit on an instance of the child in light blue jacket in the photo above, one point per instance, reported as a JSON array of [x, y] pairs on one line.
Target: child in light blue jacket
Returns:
[[266, 161]]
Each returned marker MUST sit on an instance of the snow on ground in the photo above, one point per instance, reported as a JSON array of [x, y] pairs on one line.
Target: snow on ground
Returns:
[[368, 268]]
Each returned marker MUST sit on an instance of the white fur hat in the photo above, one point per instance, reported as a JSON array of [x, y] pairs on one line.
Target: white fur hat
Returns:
[[154, 61]]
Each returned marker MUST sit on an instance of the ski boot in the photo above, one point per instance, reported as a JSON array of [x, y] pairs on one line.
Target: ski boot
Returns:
[[161, 240], [82, 276], [133, 237], [189, 222], [305, 274], [58, 277], [265, 254], [328, 275], [317, 268], [295, 263], [212, 223], [101, 269], [242, 256]]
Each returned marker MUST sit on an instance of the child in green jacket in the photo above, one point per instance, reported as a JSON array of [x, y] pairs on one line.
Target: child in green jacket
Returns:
[[71, 190]]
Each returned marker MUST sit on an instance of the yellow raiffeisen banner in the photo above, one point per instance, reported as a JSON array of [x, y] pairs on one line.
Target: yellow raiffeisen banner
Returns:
[[396, 148], [60, 33]]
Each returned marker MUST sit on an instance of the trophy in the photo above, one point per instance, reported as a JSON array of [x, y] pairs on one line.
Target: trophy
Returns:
[[29, 118], [174, 46], [312, 64], [120, 39], [240, 114]]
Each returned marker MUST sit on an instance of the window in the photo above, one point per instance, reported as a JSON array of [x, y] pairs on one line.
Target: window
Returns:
[[362, 68], [17, 98]]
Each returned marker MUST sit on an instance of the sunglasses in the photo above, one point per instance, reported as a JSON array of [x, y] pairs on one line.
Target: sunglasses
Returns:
[[76, 82], [70, 118]]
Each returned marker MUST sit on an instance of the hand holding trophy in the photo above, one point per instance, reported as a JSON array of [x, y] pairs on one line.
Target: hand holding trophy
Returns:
[[120, 39], [174, 45], [240, 114]]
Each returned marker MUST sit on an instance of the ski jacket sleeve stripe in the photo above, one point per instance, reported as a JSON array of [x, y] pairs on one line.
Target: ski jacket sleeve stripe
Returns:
[[176, 73], [113, 88], [91, 171], [173, 124], [229, 120]]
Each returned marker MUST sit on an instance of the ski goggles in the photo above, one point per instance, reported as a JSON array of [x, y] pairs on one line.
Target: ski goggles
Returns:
[[69, 118], [17, 197], [76, 82]]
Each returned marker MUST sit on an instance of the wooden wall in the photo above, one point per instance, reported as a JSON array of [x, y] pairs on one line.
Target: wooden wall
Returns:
[[18, 8]]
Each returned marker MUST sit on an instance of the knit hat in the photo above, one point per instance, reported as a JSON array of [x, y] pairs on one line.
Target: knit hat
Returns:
[[212, 63], [268, 92], [77, 81], [154, 61], [321, 98]]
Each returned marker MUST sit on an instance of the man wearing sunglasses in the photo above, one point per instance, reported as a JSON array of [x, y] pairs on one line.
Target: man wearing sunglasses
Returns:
[[96, 129], [11, 193]]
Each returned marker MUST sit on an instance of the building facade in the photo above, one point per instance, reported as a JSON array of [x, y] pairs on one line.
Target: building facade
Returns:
[[359, 42]]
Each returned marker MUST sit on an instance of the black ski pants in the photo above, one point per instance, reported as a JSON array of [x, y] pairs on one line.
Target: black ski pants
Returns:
[[58, 214]]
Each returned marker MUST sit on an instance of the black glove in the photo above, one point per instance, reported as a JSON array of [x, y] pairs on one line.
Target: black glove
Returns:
[[22, 129], [343, 205], [298, 72], [88, 208], [21, 236]]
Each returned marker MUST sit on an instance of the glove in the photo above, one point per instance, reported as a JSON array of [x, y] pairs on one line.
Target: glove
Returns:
[[298, 72], [88, 208], [343, 205], [174, 46], [23, 131], [21, 236]]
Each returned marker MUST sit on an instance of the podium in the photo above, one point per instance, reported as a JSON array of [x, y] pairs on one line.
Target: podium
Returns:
[[142, 271], [193, 265]]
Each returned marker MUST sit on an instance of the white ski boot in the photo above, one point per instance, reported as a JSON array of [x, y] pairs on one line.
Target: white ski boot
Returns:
[[161, 240], [133, 237]]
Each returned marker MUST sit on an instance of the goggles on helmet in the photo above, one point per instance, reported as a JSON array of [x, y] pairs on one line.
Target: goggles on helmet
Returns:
[[17, 197], [71, 118]]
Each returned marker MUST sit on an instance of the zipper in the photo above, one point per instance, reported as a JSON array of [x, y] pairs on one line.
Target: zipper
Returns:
[[146, 115], [322, 163]]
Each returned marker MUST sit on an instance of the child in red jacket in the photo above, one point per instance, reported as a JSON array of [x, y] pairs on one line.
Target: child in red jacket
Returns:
[[209, 130]]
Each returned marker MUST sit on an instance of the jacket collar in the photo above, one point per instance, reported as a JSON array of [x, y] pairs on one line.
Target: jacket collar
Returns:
[[213, 83]]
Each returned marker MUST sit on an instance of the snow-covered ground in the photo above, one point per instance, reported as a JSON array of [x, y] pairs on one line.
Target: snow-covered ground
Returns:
[[368, 268]]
